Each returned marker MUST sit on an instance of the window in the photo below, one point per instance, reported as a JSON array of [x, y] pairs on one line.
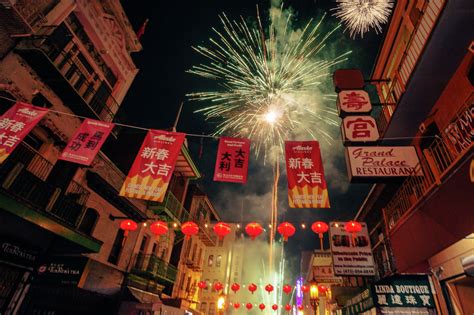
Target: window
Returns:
[[212, 309], [218, 261], [89, 221], [188, 284], [116, 247], [203, 307], [144, 244], [193, 254], [210, 260]]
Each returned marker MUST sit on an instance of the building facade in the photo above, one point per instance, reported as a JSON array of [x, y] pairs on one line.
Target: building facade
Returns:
[[74, 57], [423, 223], [223, 263], [189, 254]]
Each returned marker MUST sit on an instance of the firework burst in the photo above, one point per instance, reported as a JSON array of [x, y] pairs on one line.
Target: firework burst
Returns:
[[359, 16], [267, 81]]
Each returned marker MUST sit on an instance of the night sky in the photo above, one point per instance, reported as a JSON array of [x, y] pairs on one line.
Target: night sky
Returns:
[[162, 83]]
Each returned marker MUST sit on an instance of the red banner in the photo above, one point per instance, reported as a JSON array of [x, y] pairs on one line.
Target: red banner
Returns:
[[232, 160], [86, 142], [15, 124], [151, 172], [306, 184]]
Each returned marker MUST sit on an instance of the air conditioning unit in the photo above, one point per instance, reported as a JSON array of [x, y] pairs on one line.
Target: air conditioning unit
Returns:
[[468, 265]]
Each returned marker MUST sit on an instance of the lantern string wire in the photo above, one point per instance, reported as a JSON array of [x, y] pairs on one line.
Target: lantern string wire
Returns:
[[191, 134]]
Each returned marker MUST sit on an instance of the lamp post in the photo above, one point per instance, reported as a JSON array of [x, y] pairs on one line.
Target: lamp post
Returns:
[[221, 304], [314, 296]]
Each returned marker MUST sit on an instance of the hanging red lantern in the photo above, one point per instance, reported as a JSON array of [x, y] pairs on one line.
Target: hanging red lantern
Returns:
[[322, 290], [288, 307], [159, 228], [128, 225], [249, 306], [353, 227], [300, 307], [320, 228], [253, 229], [235, 287], [286, 229], [189, 229], [274, 307], [304, 288], [287, 289], [269, 288], [261, 306], [236, 305], [218, 286], [202, 285], [221, 229], [252, 287]]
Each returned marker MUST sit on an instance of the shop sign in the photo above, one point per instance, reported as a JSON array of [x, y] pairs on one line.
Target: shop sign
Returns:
[[359, 304], [62, 270], [461, 131], [351, 252], [356, 129], [403, 291], [350, 102], [382, 162], [16, 252]]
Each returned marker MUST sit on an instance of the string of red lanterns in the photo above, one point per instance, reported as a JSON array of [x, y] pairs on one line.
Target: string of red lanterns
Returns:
[[252, 287], [253, 229], [262, 306]]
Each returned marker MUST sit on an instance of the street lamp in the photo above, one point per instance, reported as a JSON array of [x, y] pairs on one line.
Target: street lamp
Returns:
[[314, 296], [220, 304]]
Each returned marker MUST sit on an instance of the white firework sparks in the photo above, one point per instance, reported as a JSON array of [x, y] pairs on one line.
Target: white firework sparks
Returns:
[[266, 82], [359, 16]]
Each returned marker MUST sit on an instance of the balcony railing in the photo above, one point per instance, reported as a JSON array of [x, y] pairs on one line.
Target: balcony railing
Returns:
[[65, 69], [436, 162], [416, 43], [22, 16], [151, 266], [23, 175], [172, 206]]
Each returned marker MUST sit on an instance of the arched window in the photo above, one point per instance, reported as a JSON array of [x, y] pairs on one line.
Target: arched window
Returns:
[[218, 261], [89, 220], [210, 260]]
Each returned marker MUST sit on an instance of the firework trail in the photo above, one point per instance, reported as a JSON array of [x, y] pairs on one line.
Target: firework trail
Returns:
[[266, 81]]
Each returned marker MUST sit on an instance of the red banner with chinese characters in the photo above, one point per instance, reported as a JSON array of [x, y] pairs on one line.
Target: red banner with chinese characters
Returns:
[[151, 172], [306, 184], [86, 142], [15, 124], [232, 160]]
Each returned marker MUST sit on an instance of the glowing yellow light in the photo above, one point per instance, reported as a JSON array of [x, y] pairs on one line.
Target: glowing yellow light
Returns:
[[175, 224], [238, 226], [303, 226], [270, 226], [313, 291], [271, 116], [220, 302], [205, 225], [144, 224]]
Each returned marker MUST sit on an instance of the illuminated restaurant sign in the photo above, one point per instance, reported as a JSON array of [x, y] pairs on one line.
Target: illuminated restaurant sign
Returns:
[[380, 162]]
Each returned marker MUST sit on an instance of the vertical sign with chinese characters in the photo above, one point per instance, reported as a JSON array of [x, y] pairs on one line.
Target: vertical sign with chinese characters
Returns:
[[353, 102], [306, 184], [15, 124], [86, 142], [232, 160], [151, 172], [359, 129]]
